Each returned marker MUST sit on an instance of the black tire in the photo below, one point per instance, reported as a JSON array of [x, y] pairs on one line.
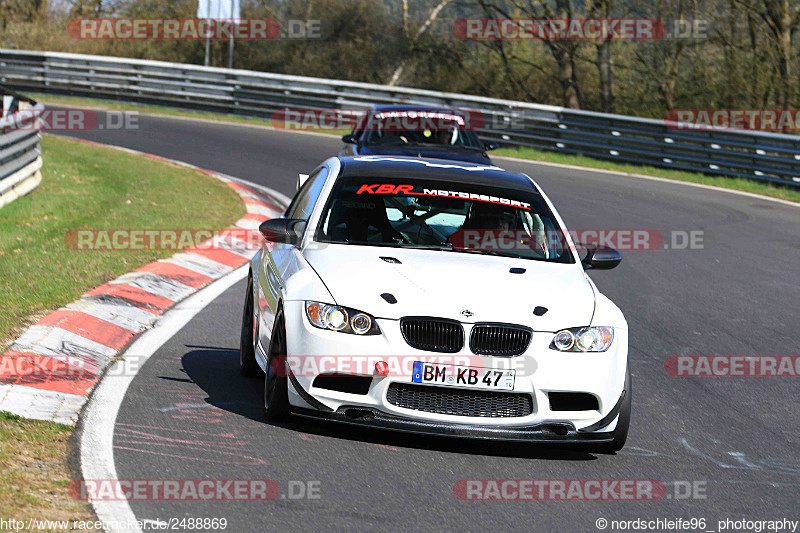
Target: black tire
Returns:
[[248, 366], [276, 386], [620, 432]]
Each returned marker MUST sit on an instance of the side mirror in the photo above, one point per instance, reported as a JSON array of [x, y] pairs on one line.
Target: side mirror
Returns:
[[301, 179], [601, 258], [282, 230], [350, 138], [491, 145]]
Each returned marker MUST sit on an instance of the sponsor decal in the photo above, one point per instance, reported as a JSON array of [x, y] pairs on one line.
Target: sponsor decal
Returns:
[[388, 188]]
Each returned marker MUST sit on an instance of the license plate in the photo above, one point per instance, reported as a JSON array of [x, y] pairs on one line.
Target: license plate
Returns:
[[463, 376]]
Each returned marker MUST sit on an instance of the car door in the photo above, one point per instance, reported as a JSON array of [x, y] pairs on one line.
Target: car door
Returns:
[[279, 262]]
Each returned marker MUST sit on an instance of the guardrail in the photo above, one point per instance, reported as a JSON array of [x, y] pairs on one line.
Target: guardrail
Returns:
[[20, 153], [754, 155]]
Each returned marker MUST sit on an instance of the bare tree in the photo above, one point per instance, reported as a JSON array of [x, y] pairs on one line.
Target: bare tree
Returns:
[[397, 75], [661, 60], [564, 52], [782, 18], [20, 11], [87, 8], [602, 9]]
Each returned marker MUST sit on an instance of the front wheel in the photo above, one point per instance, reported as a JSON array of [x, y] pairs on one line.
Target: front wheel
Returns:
[[276, 387], [248, 366]]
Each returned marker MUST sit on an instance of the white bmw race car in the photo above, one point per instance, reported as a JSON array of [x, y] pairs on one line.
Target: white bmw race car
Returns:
[[440, 297]]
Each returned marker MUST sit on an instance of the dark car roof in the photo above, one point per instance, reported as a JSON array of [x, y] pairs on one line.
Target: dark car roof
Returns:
[[444, 170]]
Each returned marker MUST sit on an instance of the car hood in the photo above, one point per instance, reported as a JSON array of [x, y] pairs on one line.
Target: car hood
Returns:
[[444, 284], [451, 153]]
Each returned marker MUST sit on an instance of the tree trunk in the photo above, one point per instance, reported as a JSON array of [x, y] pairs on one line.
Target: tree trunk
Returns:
[[785, 55], [397, 75], [566, 74], [782, 17], [667, 89], [602, 9], [605, 71], [564, 54]]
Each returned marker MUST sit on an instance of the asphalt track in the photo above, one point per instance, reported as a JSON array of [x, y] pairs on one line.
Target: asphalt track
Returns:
[[188, 414]]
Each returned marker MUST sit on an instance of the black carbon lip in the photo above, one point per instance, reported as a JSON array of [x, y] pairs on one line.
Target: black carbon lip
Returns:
[[542, 433], [606, 420], [306, 396]]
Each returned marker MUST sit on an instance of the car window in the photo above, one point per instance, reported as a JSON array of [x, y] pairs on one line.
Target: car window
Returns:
[[421, 213], [418, 127], [449, 137], [307, 196]]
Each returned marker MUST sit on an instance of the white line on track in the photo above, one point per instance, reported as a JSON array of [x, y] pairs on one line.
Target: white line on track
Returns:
[[100, 414], [650, 178]]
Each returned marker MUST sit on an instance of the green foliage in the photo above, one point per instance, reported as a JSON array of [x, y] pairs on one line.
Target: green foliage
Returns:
[[95, 188], [736, 62]]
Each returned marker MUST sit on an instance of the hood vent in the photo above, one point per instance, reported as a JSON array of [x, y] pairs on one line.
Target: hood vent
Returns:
[[392, 260], [389, 298]]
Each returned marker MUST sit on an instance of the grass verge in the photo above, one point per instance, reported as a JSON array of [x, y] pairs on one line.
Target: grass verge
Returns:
[[86, 186], [738, 184], [83, 186], [33, 458]]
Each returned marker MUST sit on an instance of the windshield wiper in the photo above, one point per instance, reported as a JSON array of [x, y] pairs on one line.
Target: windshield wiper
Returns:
[[498, 253], [441, 247]]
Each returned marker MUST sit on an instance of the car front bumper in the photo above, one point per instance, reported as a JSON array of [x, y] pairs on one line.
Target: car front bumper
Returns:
[[554, 432], [601, 375]]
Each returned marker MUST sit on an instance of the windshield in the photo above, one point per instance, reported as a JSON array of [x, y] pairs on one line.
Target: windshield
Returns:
[[417, 213], [419, 128]]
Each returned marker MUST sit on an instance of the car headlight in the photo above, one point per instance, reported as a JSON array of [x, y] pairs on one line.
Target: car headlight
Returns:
[[338, 318], [593, 339]]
